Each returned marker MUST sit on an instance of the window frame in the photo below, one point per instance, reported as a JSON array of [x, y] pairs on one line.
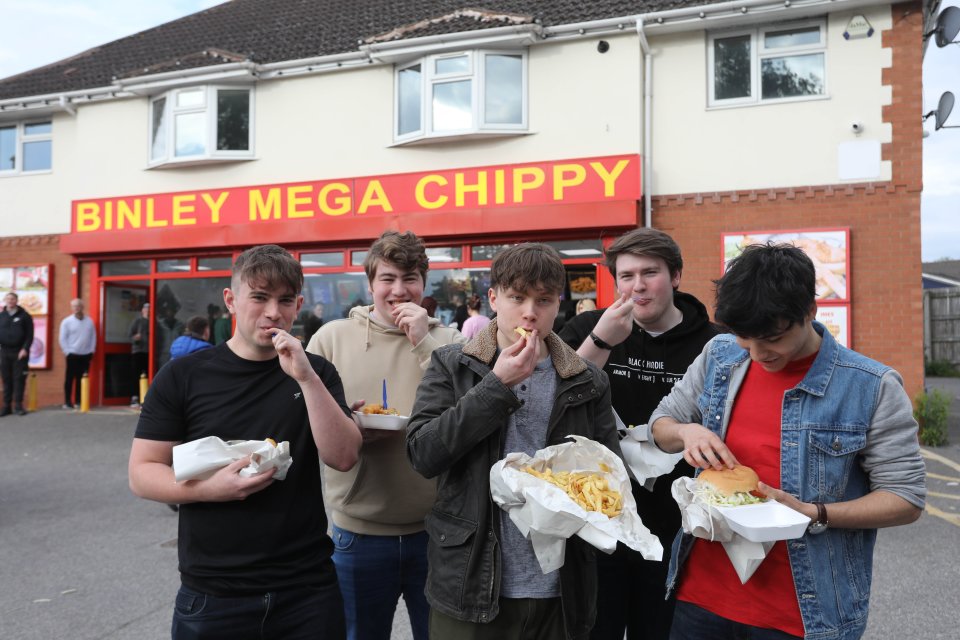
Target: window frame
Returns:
[[209, 108], [759, 53], [476, 75], [21, 139]]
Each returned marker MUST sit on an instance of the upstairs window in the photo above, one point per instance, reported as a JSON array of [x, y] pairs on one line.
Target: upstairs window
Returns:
[[26, 147], [464, 93], [766, 64], [201, 123]]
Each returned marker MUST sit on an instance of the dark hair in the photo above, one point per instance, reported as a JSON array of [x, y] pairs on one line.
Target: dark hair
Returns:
[[765, 286], [430, 304], [196, 325], [474, 302], [645, 242], [404, 250], [268, 265], [526, 266]]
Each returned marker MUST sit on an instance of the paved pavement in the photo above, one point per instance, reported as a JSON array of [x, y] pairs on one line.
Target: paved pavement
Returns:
[[82, 559]]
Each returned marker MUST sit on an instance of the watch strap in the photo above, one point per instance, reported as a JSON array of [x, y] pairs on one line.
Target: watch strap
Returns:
[[821, 514], [599, 342]]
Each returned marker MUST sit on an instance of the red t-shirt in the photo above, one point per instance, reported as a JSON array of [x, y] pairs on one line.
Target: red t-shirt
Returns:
[[768, 599]]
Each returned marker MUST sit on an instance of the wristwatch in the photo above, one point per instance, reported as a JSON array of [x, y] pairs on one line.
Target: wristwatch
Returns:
[[600, 343], [821, 523]]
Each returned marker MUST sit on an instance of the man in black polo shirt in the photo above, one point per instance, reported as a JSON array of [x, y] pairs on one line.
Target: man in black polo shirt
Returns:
[[16, 336]]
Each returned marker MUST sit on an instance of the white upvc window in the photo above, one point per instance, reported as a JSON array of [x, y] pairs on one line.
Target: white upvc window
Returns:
[[201, 124], [463, 93], [26, 147], [773, 63]]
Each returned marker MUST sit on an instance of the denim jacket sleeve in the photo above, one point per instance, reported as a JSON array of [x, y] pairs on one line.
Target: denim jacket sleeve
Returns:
[[891, 458], [682, 403], [451, 415]]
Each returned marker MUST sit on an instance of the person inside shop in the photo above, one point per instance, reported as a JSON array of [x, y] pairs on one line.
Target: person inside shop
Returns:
[[460, 313], [139, 333], [502, 393], [585, 304], [195, 338], [253, 553], [644, 341], [476, 320], [169, 327], [378, 507], [313, 322], [16, 336], [78, 341], [785, 396], [430, 304]]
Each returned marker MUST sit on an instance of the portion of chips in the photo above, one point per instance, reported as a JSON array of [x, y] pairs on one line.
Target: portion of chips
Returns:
[[378, 410], [590, 490]]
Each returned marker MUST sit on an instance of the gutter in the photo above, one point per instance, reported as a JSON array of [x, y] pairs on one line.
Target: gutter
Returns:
[[647, 123]]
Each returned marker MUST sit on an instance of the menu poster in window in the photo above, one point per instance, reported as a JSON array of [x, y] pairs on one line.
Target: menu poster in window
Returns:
[[827, 248], [6, 280], [836, 318], [39, 348]]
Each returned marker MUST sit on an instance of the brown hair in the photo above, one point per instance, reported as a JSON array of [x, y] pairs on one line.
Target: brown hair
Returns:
[[267, 265], [645, 242], [404, 250], [526, 266], [196, 325], [474, 302]]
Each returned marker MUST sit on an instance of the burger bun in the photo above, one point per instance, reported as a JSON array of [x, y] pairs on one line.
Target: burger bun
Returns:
[[740, 479]]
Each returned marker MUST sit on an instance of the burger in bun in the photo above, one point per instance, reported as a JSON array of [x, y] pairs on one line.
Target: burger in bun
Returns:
[[728, 487]]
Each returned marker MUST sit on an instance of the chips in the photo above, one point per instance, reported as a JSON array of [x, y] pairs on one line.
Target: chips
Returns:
[[589, 490], [378, 410]]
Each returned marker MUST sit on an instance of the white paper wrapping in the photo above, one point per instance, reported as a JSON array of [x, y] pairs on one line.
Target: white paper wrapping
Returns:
[[645, 460], [202, 458], [547, 516], [710, 523]]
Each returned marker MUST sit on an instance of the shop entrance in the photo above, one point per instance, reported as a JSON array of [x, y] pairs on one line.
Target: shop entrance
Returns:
[[121, 306]]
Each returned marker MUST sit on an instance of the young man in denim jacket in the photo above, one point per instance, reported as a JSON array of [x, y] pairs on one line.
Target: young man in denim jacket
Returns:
[[833, 429]]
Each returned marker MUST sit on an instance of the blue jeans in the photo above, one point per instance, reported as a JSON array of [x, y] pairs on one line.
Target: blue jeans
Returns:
[[374, 571], [307, 613], [691, 622]]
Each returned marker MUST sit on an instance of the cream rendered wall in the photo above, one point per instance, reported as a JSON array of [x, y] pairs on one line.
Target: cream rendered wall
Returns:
[[701, 149], [335, 125]]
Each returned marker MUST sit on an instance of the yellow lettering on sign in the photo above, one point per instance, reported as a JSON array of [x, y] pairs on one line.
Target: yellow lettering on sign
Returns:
[[151, 221], [127, 217], [521, 183], [460, 188], [183, 205], [342, 201], [609, 177], [296, 198], [264, 209], [560, 180], [420, 192], [88, 217], [499, 186], [215, 205], [374, 196]]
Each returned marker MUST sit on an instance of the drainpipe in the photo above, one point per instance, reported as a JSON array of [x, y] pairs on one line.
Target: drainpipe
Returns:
[[647, 122]]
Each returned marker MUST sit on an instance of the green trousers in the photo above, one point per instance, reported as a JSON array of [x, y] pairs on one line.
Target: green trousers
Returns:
[[519, 619]]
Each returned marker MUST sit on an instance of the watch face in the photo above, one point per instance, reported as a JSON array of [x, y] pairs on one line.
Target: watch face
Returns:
[[817, 527]]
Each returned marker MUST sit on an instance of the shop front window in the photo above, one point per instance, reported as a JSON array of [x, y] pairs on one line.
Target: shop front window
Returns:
[[125, 267], [179, 300]]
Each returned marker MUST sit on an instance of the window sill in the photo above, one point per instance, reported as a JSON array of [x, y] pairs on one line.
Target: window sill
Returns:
[[458, 137], [194, 162], [766, 103], [24, 174]]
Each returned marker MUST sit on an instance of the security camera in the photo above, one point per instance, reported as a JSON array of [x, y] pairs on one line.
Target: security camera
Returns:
[[857, 127]]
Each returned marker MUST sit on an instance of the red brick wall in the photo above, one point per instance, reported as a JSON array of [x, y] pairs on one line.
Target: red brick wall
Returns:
[[27, 250], [884, 221]]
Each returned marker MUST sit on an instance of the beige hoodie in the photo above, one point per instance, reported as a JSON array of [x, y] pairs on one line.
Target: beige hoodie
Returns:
[[382, 495]]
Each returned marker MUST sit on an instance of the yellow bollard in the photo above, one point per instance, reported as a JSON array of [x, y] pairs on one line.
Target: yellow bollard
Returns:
[[84, 394], [144, 385], [32, 392]]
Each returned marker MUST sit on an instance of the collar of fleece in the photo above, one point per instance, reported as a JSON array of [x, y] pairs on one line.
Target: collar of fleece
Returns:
[[483, 347]]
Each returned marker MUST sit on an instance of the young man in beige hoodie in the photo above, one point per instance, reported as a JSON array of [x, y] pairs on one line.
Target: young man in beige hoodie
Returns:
[[378, 507]]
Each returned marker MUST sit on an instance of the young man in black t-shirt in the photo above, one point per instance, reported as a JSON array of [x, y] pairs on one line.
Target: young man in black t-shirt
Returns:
[[254, 553], [644, 341]]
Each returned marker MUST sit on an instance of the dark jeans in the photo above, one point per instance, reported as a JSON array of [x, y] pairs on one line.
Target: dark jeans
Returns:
[[77, 365], [308, 613], [13, 370], [691, 622], [630, 597], [374, 571], [519, 619]]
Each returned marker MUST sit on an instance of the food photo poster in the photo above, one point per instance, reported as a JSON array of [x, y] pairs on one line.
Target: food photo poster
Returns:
[[31, 283]]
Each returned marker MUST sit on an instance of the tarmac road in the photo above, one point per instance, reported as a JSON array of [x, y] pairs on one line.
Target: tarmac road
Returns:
[[81, 558]]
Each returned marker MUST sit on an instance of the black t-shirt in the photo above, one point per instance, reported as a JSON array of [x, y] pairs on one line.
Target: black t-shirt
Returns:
[[276, 538], [642, 370]]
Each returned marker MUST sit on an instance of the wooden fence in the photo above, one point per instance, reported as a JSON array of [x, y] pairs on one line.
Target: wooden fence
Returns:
[[941, 319]]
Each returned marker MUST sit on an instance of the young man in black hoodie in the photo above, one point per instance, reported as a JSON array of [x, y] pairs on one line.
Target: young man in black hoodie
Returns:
[[644, 341], [16, 336]]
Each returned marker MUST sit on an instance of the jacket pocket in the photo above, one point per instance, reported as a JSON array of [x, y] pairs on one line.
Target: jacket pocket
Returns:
[[448, 556], [832, 456]]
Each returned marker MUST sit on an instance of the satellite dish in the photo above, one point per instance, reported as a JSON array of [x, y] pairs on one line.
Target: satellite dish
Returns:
[[948, 25], [944, 107]]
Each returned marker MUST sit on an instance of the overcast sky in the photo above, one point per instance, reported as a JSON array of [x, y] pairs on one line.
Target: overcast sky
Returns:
[[37, 32]]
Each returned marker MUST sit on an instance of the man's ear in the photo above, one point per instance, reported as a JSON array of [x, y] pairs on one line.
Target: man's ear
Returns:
[[492, 299], [228, 299]]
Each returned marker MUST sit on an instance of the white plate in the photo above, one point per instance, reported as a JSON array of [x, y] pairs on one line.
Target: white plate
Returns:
[[765, 522], [381, 421]]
